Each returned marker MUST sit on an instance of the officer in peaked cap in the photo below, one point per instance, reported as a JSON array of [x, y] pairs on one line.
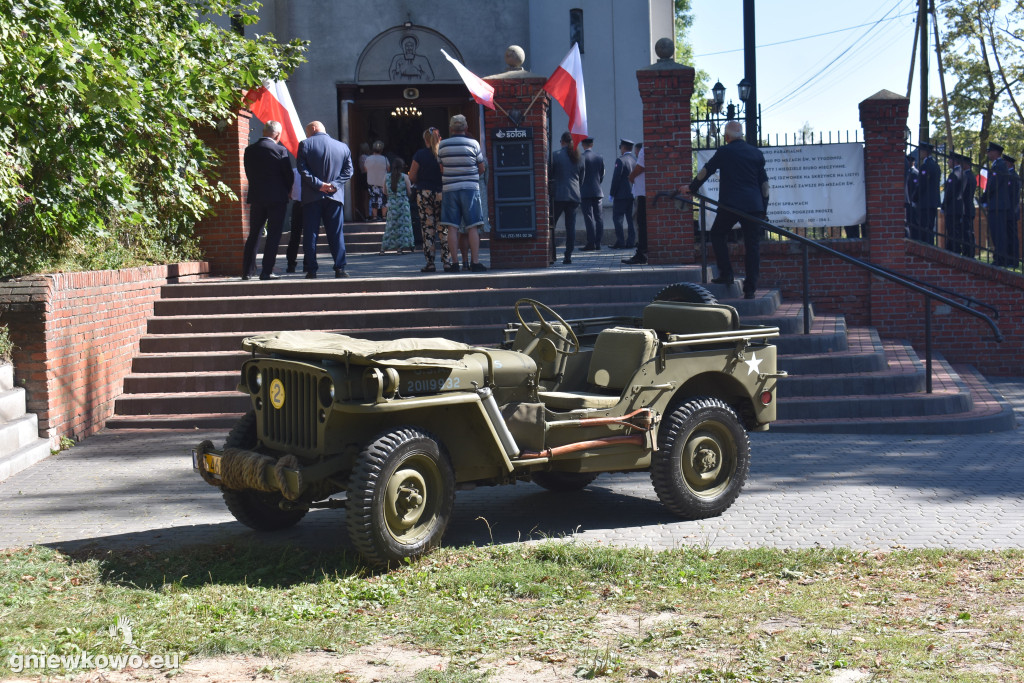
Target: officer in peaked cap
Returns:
[[995, 147], [621, 192], [998, 200], [591, 195]]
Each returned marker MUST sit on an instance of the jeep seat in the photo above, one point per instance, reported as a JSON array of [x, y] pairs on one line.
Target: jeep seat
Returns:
[[618, 353], [677, 317]]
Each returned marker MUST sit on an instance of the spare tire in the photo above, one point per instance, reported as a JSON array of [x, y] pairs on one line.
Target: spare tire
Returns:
[[687, 292]]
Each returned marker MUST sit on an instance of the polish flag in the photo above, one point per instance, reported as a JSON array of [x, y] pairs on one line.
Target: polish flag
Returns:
[[982, 179], [481, 91], [271, 102], [566, 86]]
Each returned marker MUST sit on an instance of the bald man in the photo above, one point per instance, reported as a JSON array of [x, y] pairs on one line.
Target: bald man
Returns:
[[325, 165], [743, 186]]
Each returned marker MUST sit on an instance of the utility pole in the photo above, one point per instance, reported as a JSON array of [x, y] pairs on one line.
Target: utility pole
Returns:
[[922, 26], [750, 71]]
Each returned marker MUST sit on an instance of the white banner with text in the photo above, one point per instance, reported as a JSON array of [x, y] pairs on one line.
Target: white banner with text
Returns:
[[811, 185]]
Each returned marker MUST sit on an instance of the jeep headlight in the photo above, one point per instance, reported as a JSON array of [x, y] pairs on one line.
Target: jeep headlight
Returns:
[[325, 391], [254, 379]]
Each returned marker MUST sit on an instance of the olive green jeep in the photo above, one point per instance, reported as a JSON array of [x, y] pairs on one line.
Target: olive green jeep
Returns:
[[393, 428]]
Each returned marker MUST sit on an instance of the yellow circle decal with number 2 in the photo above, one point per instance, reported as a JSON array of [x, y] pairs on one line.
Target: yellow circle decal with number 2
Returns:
[[277, 393]]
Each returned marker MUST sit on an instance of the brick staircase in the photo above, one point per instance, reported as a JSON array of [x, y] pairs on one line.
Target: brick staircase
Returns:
[[20, 445], [841, 380]]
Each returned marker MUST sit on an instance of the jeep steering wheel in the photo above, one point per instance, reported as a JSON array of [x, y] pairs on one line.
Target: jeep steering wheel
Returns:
[[545, 326]]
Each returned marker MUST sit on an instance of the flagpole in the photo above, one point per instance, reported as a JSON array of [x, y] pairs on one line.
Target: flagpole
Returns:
[[531, 103]]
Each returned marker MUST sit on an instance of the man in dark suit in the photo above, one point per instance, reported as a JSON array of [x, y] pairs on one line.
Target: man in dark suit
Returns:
[[621, 192], [591, 194], [743, 186], [998, 201], [566, 171], [269, 173], [929, 182], [325, 165], [953, 205]]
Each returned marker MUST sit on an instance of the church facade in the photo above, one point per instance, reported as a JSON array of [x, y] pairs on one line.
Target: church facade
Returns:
[[376, 70]]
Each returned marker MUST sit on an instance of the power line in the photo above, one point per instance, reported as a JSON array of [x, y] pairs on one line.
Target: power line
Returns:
[[835, 59], [816, 35]]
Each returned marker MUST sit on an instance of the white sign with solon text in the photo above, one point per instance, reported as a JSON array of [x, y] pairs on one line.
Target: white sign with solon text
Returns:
[[811, 185]]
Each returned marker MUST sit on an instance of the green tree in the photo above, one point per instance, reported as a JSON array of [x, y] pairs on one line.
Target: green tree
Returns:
[[100, 103], [684, 51], [983, 50]]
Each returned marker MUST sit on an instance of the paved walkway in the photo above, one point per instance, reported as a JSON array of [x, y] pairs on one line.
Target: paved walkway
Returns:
[[122, 489]]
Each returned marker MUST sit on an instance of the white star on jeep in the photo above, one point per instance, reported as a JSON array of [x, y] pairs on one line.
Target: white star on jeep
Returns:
[[754, 364]]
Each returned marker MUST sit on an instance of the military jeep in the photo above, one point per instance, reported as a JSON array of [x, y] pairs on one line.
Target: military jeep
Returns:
[[393, 428]]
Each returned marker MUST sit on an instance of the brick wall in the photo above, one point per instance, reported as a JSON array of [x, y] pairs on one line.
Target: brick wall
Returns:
[[665, 89], [222, 234], [836, 286], [515, 91], [75, 335]]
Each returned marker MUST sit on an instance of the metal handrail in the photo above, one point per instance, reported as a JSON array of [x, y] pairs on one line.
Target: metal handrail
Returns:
[[881, 272]]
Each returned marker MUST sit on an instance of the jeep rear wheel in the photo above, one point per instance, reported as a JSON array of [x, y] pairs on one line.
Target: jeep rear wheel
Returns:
[[400, 497], [702, 459], [563, 481], [256, 509]]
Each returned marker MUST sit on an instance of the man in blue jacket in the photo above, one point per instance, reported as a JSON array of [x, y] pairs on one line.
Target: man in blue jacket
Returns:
[[744, 187], [325, 165], [591, 194]]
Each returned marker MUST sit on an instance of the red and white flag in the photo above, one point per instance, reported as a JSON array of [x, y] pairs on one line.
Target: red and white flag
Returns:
[[481, 91], [983, 179], [566, 86], [271, 102]]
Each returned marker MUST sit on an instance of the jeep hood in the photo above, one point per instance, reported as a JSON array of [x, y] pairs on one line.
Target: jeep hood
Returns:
[[407, 352]]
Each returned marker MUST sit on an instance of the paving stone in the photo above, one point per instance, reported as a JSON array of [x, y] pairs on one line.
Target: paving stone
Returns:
[[135, 488]]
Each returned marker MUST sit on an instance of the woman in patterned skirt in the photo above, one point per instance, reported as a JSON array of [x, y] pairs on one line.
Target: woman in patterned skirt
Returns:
[[398, 230], [425, 174]]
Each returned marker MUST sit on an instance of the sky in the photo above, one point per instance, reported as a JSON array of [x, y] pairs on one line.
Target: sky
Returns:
[[818, 80]]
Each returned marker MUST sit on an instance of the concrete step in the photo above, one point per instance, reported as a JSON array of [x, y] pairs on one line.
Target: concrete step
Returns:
[[14, 461], [19, 432], [221, 421], [181, 382], [202, 403], [283, 299], [904, 374], [988, 411], [828, 335], [12, 404], [6, 376], [540, 280], [863, 353], [214, 361]]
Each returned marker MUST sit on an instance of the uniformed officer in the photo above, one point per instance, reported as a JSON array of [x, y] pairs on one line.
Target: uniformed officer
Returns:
[[997, 200], [953, 205], [968, 187], [622, 196], [1013, 244], [910, 177], [591, 194], [929, 182]]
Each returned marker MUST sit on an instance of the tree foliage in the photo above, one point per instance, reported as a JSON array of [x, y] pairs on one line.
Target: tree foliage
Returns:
[[684, 50], [100, 103], [983, 50]]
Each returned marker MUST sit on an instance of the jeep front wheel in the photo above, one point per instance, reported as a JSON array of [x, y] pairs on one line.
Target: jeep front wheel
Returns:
[[256, 509], [702, 460], [400, 497]]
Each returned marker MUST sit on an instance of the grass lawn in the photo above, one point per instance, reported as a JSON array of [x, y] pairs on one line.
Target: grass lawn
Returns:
[[539, 612]]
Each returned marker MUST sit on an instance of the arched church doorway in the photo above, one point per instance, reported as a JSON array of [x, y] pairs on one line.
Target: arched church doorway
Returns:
[[403, 86]]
